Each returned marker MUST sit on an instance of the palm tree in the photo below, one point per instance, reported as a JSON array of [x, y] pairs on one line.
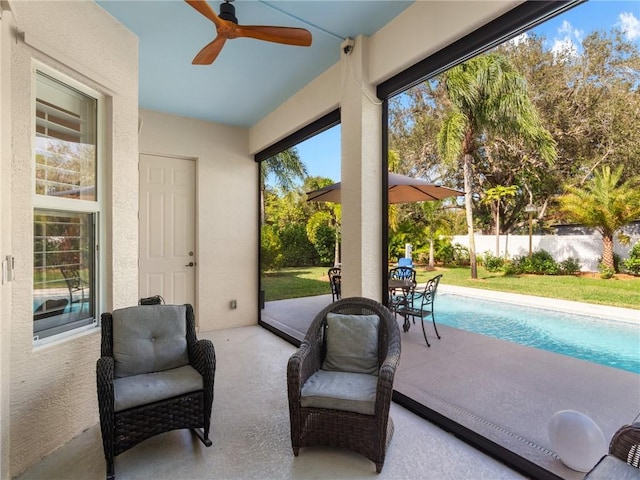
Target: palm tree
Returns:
[[496, 194], [488, 98], [605, 205], [285, 167], [437, 223]]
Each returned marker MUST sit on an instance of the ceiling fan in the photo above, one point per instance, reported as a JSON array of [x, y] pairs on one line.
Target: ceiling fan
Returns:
[[228, 28]]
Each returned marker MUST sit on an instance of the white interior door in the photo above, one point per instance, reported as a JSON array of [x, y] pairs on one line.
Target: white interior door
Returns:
[[167, 228]]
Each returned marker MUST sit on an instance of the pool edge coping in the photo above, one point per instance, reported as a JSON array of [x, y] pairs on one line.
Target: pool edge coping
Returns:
[[626, 315]]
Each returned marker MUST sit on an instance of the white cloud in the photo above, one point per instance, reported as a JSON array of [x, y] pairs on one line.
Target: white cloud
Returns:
[[566, 30], [567, 41], [564, 46], [630, 25]]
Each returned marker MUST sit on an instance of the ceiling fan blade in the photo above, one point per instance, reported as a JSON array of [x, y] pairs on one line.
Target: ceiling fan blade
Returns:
[[210, 52], [287, 35], [205, 9]]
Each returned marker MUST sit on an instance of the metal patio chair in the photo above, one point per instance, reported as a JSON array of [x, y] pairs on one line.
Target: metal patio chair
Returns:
[[420, 305], [75, 284], [335, 281]]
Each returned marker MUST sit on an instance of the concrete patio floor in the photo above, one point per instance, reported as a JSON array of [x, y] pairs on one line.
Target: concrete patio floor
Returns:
[[251, 439], [501, 391]]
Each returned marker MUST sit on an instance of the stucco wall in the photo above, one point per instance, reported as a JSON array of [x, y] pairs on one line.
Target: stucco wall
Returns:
[[227, 216], [53, 395], [6, 25]]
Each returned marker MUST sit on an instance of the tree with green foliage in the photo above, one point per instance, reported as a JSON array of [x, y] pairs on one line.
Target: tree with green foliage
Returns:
[[439, 222], [321, 233], [285, 168], [494, 196], [487, 97], [605, 204], [588, 101], [327, 213], [270, 248]]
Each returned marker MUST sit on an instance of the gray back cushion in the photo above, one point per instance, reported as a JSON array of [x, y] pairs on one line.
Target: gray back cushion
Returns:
[[352, 343], [149, 338]]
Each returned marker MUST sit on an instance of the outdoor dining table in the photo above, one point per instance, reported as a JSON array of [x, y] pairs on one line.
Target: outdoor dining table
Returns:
[[400, 290]]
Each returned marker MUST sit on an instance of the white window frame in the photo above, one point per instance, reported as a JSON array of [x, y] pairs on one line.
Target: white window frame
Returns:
[[97, 207]]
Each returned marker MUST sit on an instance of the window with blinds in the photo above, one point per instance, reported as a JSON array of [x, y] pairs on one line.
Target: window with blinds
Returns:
[[65, 141], [66, 207]]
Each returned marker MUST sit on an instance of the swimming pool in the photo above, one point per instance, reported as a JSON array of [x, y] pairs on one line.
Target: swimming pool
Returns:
[[610, 343]]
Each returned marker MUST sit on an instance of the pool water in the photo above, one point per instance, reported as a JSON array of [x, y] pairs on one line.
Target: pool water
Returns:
[[610, 343]]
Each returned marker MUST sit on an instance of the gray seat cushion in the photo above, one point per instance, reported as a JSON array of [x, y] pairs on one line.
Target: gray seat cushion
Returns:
[[352, 343], [149, 338], [347, 391], [136, 390]]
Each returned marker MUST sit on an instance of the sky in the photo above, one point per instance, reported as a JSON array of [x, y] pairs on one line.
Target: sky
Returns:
[[321, 153]]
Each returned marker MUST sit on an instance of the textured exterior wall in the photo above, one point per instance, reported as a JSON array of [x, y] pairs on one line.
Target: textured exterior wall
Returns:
[[53, 396], [227, 212], [6, 25], [361, 174]]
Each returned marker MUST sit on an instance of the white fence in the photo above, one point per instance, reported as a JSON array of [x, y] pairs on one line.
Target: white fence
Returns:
[[587, 249]]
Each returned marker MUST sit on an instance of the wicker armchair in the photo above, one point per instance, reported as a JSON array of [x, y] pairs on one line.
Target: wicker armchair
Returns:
[[316, 422], [153, 376], [625, 444]]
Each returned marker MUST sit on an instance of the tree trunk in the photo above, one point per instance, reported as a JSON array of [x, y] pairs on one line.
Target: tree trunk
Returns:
[[498, 229], [336, 249], [607, 252], [432, 261], [468, 207], [262, 214]]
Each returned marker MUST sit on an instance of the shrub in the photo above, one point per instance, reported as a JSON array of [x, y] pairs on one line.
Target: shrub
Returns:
[[510, 268], [492, 263], [632, 264], [460, 255], [325, 244], [270, 248], [542, 263], [570, 266], [605, 271], [297, 250]]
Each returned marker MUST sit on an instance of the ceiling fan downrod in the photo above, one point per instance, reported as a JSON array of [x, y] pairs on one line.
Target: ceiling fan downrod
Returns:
[[228, 11]]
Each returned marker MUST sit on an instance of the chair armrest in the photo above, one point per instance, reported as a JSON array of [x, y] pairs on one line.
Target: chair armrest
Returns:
[[305, 361], [203, 359], [302, 364], [387, 372], [106, 400], [386, 376], [104, 379], [626, 439]]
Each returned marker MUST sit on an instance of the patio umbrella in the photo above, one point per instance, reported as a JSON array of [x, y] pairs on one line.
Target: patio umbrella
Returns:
[[402, 189]]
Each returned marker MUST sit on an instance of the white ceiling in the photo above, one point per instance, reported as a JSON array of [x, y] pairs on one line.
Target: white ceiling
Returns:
[[250, 78]]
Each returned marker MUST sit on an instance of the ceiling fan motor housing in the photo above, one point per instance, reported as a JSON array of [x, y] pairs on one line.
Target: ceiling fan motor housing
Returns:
[[228, 12]]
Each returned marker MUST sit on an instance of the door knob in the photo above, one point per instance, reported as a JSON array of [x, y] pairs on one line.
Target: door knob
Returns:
[[190, 264]]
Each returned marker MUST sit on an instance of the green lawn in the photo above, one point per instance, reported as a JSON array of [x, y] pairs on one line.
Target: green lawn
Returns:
[[619, 291]]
